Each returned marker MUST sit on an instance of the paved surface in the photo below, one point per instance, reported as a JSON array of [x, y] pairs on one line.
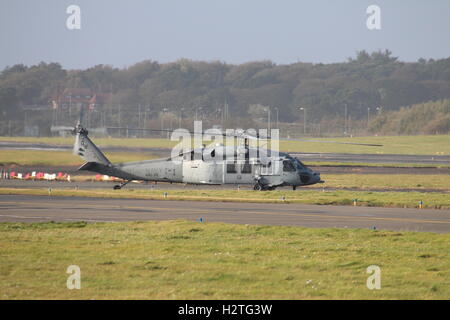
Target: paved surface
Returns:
[[25, 208]]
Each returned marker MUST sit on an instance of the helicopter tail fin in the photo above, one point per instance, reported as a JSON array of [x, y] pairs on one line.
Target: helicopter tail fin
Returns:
[[87, 150]]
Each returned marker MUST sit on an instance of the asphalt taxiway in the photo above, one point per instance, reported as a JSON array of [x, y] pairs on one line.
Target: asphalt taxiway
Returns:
[[26, 208]]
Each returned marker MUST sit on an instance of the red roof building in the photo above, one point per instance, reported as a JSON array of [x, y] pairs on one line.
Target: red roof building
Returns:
[[79, 97], [98, 100]]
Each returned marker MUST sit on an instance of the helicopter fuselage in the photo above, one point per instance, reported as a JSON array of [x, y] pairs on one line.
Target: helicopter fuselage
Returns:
[[265, 169], [226, 167]]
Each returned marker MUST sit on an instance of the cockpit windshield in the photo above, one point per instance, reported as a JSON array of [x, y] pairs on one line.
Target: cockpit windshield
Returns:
[[298, 164]]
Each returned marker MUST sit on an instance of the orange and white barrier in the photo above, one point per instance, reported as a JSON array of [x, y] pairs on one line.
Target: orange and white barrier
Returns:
[[35, 176], [59, 176]]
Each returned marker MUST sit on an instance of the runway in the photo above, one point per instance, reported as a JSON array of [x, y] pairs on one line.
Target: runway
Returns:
[[26, 208]]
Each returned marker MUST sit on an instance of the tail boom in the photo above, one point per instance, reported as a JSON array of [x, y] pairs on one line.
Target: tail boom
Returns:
[[108, 170]]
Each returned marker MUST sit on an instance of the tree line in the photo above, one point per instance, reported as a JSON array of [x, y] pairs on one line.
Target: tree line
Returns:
[[354, 89], [424, 118]]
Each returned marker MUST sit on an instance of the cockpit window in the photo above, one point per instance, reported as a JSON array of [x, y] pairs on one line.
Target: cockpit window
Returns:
[[298, 164], [288, 166]]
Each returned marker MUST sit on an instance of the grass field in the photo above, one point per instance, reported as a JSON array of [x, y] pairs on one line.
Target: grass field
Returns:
[[61, 158], [432, 145], [193, 260], [387, 181], [432, 200]]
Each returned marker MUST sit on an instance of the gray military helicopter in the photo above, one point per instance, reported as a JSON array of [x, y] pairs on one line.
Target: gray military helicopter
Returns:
[[214, 165]]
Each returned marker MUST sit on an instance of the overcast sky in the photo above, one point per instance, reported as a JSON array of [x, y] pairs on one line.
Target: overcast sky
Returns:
[[121, 33]]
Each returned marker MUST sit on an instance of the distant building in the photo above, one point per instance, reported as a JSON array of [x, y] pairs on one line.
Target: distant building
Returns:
[[98, 100], [79, 97]]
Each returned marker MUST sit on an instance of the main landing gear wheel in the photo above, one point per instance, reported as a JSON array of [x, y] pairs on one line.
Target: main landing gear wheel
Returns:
[[294, 188], [258, 187]]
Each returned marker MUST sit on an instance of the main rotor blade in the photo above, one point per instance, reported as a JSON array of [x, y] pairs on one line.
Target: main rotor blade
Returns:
[[60, 128], [225, 134], [249, 136], [140, 129], [160, 130], [337, 142], [321, 141]]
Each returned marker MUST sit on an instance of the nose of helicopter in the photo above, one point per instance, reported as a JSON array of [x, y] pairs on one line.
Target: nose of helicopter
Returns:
[[310, 177], [316, 178]]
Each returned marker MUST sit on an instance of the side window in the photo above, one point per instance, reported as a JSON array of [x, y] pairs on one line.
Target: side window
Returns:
[[231, 168], [288, 166], [268, 165], [246, 168]]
